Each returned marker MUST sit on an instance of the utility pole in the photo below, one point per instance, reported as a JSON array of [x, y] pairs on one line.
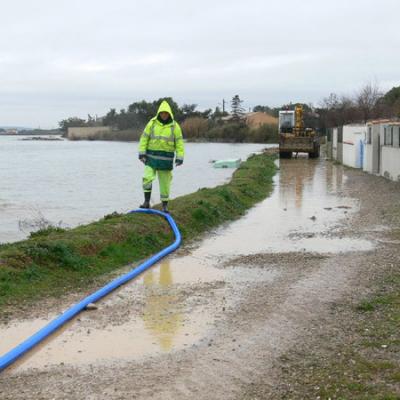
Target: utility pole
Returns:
[[223, 105]]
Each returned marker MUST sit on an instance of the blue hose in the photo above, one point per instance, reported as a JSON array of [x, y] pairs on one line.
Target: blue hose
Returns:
[[52, 326]]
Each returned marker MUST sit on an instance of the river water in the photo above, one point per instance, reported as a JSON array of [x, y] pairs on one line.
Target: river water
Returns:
[[71, 183]]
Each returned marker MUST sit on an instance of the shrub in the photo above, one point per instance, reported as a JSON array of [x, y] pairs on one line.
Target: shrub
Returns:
[[194, 127], [267, 133], [229, 132]]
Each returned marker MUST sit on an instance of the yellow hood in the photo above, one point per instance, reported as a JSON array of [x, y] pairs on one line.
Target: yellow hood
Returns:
[[164, 106]]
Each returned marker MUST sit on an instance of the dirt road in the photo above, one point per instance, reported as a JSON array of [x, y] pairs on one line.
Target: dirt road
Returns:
[[215, 320]]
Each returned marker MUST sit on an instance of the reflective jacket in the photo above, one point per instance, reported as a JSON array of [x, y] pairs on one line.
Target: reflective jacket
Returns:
[[159, 142]]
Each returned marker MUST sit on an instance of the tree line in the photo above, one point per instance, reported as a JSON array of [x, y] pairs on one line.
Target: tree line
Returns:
[[137, 114], [197, 125], [334, 110], [366, 104]]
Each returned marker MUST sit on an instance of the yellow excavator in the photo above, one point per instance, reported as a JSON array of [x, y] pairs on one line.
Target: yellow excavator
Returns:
[[294, 137]]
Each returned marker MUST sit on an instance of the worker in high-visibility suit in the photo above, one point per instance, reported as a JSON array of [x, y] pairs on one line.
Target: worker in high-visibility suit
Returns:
[[160, 140]]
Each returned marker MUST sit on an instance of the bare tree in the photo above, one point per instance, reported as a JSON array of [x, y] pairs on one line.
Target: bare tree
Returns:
[[367, 100], [330, 102], [364, 105], [337, 110]]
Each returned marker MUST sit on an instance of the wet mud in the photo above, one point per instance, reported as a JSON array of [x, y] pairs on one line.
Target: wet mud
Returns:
[[237, 299]]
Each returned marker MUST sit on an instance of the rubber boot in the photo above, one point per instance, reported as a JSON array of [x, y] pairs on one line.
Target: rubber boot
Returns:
[[165, 207], [147, 197]]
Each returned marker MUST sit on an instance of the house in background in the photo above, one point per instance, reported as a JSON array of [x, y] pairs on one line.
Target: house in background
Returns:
[[374, 147], [257, 119], [390, 160], [8, 131], [382, 148], [254, 119]]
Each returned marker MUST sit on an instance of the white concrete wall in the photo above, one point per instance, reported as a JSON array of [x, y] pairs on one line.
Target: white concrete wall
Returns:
[[391, 163], [353, 140], [334, 143], [367, 167], [390, 154], [383, 159], [396, 136], [376, 148]]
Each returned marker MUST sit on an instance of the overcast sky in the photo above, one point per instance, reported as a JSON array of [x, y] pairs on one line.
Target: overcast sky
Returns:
[[70, 58]]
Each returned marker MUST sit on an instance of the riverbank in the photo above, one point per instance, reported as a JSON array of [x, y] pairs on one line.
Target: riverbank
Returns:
[[62, 169], [298, 299], [57, 260]]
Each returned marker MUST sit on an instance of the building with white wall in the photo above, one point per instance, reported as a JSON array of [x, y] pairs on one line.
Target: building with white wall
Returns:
[[390, 159], [374, 147], [382, 148], [353, 136]]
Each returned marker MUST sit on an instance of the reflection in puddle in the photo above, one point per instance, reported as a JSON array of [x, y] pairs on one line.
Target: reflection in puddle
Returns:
[[306, 199], [85, 346], [301, 181], [164, 323], [160, 317], [160, 311]]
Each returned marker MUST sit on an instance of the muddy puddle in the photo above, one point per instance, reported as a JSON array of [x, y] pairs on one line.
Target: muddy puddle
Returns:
[[302, 214], [168, 308]]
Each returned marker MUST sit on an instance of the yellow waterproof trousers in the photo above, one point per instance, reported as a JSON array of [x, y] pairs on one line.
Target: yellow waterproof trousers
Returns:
[[164, 180]]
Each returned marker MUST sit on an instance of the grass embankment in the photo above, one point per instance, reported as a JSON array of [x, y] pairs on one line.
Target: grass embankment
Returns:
[[53, 261]]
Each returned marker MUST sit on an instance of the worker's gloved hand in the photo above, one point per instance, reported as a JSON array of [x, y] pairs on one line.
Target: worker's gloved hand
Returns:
[[178, 162], [143, 158]]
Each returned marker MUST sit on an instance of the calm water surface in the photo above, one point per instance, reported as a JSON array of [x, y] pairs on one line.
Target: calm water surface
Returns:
[[71, 183]]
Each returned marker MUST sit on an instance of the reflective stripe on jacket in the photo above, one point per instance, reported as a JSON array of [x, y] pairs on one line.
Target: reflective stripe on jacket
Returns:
[[160, 142]]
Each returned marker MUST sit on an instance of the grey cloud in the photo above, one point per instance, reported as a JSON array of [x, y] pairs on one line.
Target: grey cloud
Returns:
[[68, 58]]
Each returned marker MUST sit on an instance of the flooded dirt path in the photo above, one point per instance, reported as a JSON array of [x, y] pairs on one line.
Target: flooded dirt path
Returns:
[[213, 319]]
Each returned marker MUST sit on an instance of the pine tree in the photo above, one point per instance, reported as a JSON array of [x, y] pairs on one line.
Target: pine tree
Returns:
[[237, 109]]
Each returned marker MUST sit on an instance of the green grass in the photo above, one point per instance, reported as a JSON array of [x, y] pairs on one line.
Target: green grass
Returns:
[[54, 260]]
